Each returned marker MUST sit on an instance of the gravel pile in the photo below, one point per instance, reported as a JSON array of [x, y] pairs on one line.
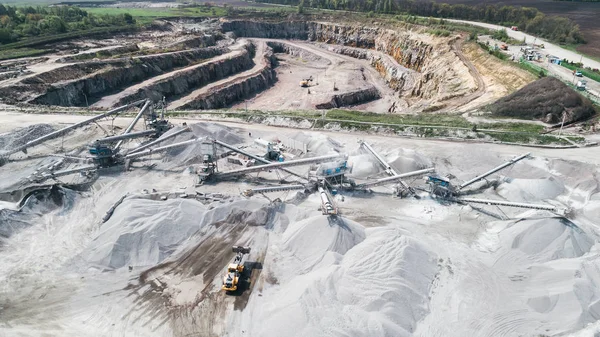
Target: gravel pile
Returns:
[[21, 136]]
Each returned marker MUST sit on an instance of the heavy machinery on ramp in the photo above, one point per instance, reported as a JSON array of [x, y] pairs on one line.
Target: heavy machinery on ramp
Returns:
[[235, 270]]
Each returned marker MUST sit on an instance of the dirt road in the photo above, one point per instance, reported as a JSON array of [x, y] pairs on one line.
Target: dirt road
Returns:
[[461, 101]]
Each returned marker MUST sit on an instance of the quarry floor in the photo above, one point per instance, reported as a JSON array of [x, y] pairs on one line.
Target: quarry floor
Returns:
[[385, 266], [332, 73]]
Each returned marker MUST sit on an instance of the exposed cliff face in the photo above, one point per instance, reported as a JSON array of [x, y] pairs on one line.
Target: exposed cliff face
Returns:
[[229, 93], [280, 30], [72, 85], [396, 76], [279, 47], [197, 42]]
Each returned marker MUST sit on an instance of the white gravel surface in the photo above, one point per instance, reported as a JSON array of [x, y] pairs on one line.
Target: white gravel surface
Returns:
[[385, 267]]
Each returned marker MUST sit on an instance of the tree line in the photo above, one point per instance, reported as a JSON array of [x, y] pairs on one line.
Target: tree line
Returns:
[[527, 19], [21, 22]]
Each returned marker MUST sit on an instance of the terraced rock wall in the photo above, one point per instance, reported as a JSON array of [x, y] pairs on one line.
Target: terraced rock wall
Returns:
[[184, 81], [270, 30], [225, 95], [73, 85]]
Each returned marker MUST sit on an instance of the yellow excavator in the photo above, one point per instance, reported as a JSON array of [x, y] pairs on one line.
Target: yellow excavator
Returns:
[[305, 83], [235, 270]]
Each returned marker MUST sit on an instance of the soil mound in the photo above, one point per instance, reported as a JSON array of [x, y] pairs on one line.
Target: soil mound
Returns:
[[547, 99]]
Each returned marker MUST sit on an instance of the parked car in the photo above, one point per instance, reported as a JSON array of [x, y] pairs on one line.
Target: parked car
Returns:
[[578, 73]]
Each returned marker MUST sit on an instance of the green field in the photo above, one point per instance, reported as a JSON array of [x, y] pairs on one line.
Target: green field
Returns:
[[23, 52], [532, 68], [146, 15], [136, 12]]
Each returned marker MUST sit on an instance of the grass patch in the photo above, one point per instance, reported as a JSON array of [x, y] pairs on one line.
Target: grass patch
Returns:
[[524, 138], [438, 32], [429, 126], [135, 12], [23, 52], [441, 120], [532, 68]]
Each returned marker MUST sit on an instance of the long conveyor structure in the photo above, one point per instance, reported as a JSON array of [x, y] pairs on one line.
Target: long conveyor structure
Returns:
[[278, 165], [506, 203], [132, 124], [283, 188], [161, 149], [160, 140], [494, 170], [122, 137], [257, 158], [58, 133], [392, 179], [62, 173]]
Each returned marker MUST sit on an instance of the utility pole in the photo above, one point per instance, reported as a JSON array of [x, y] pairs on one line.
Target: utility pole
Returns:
[[575, 71]]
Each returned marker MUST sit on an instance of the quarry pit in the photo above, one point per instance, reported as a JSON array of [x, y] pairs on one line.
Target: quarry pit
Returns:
[[259, 65], [136, 242]]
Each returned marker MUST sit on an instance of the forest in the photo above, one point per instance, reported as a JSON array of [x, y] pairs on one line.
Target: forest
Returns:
[[530, 20], [22, 22]]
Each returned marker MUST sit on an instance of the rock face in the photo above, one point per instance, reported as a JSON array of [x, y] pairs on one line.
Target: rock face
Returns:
[[228, 93], [396, 76], [351, 98], [72, 85], [432, 71], [280, 30], [279, 47]]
